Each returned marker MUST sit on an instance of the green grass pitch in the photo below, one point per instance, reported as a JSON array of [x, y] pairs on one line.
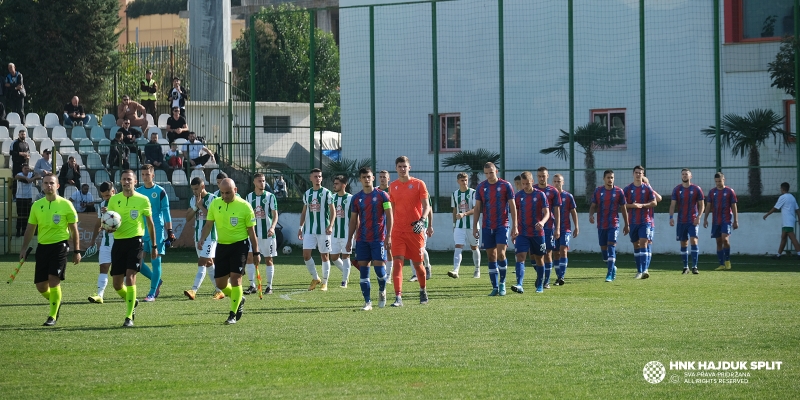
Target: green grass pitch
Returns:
[[587, 339]]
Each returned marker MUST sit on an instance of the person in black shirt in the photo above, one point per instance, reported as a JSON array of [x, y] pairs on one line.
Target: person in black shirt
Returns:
[[74, 113], [119, 153], [20, 154], [176, 126], [70, 174], [153, 153]]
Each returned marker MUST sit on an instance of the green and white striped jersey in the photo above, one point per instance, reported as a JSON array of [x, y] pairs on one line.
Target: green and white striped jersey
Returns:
[[200, 218], [318, 215], [106, 239], [342, 223], [262, 206], [463, 202]]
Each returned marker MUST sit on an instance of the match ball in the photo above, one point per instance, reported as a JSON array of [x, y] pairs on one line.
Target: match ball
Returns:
[[287, 250], [110, 221]]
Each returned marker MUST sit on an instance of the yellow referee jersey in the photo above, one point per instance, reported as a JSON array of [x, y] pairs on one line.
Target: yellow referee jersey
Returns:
[[132, 210], [52, 217], [231, 219]]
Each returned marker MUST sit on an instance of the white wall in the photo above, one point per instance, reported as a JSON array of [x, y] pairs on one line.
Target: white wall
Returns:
[[754, 236]]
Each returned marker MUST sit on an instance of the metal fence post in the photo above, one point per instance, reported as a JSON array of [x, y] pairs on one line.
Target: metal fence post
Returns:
[[436, 122], [311, 82]]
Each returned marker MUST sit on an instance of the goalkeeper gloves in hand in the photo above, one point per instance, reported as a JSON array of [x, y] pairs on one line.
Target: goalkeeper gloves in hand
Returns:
[[418, 226]]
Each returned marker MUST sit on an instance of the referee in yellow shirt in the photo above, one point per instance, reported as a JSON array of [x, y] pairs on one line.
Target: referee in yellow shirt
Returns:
[[126, 254], [235, 222], [57, 220]]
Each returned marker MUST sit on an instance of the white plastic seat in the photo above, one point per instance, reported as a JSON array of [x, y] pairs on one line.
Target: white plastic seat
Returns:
[[140, 141], [113, 132], [93, 161], [213, 176], [170, 192], [67, 146], [39, 134], [31, 143], [51, 120], [197, 173], [160, 177], [32, 120], [101, 175], [94, 192], [4, 133], [14, 119], [150, 121], [162, 120], [134, 162], [46, 144], [59, 133], [5, 149], [97, 133], [104, 147], [154, 129], [116, 177], [109, 121], [78, 133], [179, 178], [164, 145], [92, 120], [69, 191], [86, 177], [33, 159], [86, 146]]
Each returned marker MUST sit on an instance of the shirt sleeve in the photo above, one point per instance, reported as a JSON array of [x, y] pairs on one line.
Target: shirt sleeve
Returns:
[[147, 210], [594, 197], [734, 199], [423, 191], [250, 217], [33, 218], [165, 206], [273, 203], [73, 215]]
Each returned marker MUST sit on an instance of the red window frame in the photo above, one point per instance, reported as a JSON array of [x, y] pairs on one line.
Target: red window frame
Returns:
[[442, 140], [734, 24]]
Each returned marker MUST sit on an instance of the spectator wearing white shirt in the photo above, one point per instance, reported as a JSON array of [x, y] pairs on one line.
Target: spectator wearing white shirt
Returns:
[[788, 207], [83, 200], [193, 150], [44, 166], [26, 194]]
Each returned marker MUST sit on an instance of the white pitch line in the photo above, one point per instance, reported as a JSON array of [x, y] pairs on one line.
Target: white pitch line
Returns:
[[286, 296]]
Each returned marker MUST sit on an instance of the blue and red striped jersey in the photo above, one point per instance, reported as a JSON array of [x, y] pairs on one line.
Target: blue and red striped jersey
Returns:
[[494, 199], [371, 215], [608, 203], [721, 202], [567, 205], [639, 194], [530, 210], [687, 198], [553, 199]]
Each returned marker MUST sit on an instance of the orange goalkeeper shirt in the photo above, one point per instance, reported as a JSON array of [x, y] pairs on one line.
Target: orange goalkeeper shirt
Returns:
[[407, 198]]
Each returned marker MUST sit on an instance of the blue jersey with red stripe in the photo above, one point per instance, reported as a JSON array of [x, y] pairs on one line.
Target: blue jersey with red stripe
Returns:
[[530, 210], [687, 198], [494, 199], [567, 205], [608, 203], [371, 215], [722, 201], [639, 194], [553, 199]]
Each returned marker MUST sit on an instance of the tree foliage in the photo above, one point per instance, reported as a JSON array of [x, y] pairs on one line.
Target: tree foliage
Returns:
[[782, 69], [282, 62], [62, 48], [347, 167], [473, 162], [140, 8]]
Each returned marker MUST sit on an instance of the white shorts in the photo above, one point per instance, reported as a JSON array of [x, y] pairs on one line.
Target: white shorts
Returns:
[[209, 249], [267, 247], [104, 255], [462, 236], [339, 246], [319, 242]]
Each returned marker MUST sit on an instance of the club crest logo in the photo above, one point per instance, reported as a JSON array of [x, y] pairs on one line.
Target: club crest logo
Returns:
[[134, 214], [56, 218], [154, 195], [234, 221]]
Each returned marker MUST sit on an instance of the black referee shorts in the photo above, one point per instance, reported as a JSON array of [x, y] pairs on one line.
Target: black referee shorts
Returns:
[[126, 254], [230, 258], [51, 259]]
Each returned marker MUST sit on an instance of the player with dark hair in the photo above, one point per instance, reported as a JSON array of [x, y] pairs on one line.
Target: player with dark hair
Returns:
[[552, 229], [649, 248], [640, 199], [383, 184], [106, 242], [494, 198], [688, 197], [159, 203], [56, 220], [198, 209], [463, 203], [569, 209], [265, 207], [789, 209], [371, 221], [722, 200], [533, 213], [607, 201], [316, 227], [341, 225]]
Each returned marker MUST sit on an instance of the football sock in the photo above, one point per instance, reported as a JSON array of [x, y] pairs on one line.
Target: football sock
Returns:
[[420, 269], [236, 297], [493, 273], [389, 265], [502, 266], [685, 256], [564, 261], [250, 270], [721, 257], [146, 271], [123, 293], [270, 272], [605, 255], [539, 276], [339, 264], [695, 255], [312, 269], [55, 300], [130, 299], [365, 285], [727, 253], [102, 282], [637, 256], [228, 290], [457, 259], [198, 278], [380, 271], [611, 258], [476, 258], [46, 294], [519, 268], [210, 273], [426, 258], [547, 268], [326, 271], [156, 276], [397, 279], [649, 256]]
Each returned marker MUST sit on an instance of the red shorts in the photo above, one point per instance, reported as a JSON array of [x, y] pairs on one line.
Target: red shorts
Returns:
[[408, 245]]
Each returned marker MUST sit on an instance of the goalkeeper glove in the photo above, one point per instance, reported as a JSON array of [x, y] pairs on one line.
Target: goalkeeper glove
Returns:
[[418, 226], [170, 238]]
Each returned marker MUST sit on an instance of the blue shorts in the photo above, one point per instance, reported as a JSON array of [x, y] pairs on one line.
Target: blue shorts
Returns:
[[530, 244], [718, 230], [563, 240], [490, 238], [606, 236], [684, 231], [370, 251], [148, 246], [640, 231], [548, 239]]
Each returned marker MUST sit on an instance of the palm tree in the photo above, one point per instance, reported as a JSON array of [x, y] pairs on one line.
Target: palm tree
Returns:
[[745, 134], [347, 167], [472, 161], [591, 137]]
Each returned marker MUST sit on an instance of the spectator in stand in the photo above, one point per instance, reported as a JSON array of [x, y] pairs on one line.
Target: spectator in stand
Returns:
[[153, 153], [74, 114], [133, 148], [280, 187], [44, 167], [194, 148], [26, 193], [176, 126], [83, 200], [148, 88], [133, 112], [70, 174], [174, 156], [14, 89], [20, 154], [118, 153], [3, 120], [178, 96], [126, 130]]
